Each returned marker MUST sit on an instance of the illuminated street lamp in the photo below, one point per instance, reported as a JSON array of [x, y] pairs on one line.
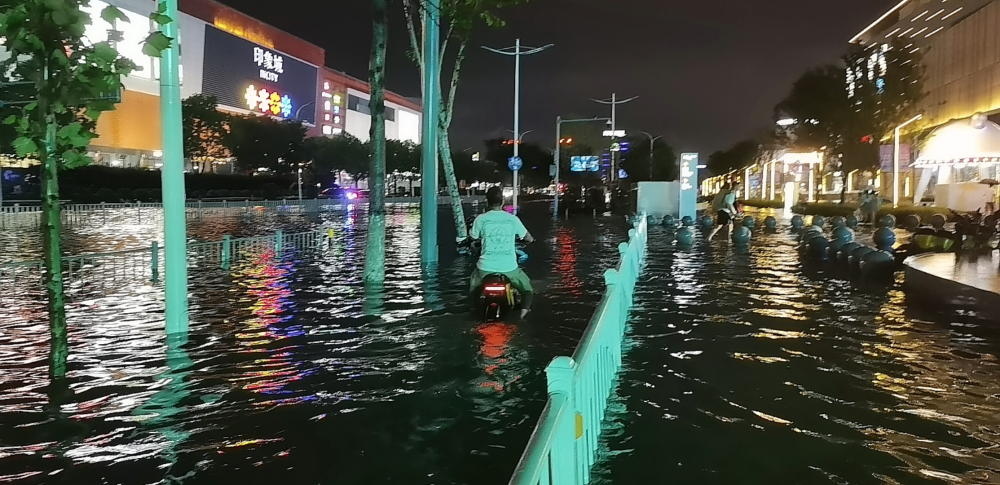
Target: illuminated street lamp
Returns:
[[517, 52], [895, 162], [651, 142]]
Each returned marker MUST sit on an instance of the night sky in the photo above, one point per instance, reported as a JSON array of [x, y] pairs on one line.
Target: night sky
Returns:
[[708, 72]]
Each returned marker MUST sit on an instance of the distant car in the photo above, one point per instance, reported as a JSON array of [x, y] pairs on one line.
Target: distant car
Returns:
[[337, 192]]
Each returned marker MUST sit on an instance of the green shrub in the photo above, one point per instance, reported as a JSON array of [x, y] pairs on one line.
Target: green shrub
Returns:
[[107, 195], [764, 204]]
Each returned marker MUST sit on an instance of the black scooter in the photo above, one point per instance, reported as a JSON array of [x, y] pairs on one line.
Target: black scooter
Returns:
[[496, 297]]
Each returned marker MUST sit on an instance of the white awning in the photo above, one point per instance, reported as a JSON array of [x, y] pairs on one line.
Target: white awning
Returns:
[[973, 140]]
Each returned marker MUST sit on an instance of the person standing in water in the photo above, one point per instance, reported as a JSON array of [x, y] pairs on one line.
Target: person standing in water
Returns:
[[724, 206]]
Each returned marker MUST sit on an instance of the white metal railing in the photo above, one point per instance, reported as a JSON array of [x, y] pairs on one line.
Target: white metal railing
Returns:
[[114, 270], [18, 215], [563, 447]]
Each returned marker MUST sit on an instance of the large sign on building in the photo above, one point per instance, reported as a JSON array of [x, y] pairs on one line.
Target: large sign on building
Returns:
[[245, 75], [689, 185]]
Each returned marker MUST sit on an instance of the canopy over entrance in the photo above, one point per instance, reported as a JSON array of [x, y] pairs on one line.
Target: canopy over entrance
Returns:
[[962, 142]]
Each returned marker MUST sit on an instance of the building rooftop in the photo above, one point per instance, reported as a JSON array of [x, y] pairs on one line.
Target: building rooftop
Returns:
[[916, 22]]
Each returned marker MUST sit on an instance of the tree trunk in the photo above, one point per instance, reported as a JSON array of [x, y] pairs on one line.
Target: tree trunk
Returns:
[[375, 249], [444, 145], [52, 248]]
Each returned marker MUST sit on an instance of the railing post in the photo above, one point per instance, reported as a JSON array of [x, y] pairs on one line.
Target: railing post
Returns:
[[104, 214], [155, 261], [566, 465], [618, 288], [278, 237], [226, 246], [329, 238]]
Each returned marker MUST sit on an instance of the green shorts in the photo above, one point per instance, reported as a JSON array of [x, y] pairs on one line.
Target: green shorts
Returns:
[[518, 279]]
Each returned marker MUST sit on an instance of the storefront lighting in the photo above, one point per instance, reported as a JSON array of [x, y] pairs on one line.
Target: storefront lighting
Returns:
[[337, 99], [326, 86], [326, 105]]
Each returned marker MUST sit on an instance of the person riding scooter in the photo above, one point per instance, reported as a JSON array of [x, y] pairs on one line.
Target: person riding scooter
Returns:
[[497, 231]]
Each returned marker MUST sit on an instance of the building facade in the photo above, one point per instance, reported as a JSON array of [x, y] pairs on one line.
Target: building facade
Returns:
[[250, 66], [960, 45]]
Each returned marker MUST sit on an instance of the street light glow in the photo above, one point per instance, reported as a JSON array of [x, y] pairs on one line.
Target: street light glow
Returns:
[[786, 122]]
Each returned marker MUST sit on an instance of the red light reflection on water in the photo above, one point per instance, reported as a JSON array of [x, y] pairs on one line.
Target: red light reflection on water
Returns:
[[496, 340], [567, 248]]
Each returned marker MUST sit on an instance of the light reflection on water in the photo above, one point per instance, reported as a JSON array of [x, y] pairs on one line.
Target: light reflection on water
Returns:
[[293, 371], [753, 370]]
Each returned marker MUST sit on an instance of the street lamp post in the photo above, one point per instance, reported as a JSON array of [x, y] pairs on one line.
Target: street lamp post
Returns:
[[556, 155], [517, 53], [174, 220], [651, 142], [614, 102], [429, 156], [895, 162]]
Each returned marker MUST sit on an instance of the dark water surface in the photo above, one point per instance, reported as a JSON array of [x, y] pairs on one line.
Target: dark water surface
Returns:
[[292, 373], [744, 368]]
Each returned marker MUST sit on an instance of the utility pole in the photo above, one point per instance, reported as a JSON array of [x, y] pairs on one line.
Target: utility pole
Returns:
[[517, 53], [614, 102], [557, 157], [651, 142], [432, 106], [172, 173]]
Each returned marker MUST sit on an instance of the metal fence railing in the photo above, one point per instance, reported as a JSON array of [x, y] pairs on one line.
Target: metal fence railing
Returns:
[[18, 215], [563, 447], [119, 269]]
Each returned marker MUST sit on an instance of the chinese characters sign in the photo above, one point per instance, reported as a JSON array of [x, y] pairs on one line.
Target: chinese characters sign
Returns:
[[689, 182], [273, 64], [247, 76]]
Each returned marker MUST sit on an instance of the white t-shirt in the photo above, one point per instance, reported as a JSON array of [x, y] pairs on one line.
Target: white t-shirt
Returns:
[[497, 229]]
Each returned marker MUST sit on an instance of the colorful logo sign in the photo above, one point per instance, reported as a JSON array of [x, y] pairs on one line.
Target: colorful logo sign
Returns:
[[270, 102]]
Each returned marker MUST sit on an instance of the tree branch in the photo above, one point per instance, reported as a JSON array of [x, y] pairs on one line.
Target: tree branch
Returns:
[[411, 28]]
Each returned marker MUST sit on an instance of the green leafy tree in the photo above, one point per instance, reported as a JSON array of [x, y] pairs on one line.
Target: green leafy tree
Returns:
[[263, 142], [736, 157], [341, 153], [851, 108], [459, 19], [204, 128], [61, 85], [641, 167], [402, 156]]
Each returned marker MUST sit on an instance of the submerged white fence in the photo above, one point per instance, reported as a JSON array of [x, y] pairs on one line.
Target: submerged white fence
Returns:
[[563, 446], [116, 270], [149, 212]]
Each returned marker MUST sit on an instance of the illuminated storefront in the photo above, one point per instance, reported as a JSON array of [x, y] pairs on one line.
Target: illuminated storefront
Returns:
[[959, 59], [251, 67]]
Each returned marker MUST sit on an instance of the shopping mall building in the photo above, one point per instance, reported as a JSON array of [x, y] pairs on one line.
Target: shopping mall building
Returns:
[[960, 45], [251, 67]]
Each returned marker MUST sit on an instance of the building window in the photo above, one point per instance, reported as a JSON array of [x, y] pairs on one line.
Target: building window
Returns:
[[362, 106]]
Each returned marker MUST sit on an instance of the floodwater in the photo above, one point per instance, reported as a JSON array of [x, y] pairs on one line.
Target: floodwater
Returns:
[[743, 368], [292, 372]]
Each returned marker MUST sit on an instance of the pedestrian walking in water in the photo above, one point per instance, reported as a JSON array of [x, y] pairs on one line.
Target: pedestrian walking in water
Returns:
[[724, 206]]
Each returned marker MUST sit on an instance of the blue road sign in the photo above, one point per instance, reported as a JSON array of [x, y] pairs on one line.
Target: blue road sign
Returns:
[[514, 163]]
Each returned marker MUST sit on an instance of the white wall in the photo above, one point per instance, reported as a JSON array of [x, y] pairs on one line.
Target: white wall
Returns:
[[192, 34], [403, 128]]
